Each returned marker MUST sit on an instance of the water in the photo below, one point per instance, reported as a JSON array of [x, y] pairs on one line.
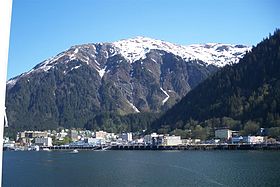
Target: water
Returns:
[[142, 168]]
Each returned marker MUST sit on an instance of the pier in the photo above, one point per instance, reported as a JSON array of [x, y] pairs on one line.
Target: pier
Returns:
[[177, 147], [200, 147]]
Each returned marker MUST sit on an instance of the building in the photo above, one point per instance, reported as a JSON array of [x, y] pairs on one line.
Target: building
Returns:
[[224, 134], [153, 139], [43, 141], [126, 136], [254, 139], [74, 135], [61, 135], [100, 134], [187, 141], [111, 136], [33, 134], [237, 139], [172, 140], [94, 141]]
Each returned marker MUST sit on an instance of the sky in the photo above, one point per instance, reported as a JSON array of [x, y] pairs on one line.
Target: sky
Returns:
[[43, 28]]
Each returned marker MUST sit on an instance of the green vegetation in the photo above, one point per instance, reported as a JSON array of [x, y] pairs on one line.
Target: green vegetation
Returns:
[[112, 122], [66, 140], [244, 96]]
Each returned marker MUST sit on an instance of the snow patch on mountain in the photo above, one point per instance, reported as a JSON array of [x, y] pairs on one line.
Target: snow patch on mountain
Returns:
[[211, 53], [164, 101], [76, 67], [101, 71], [12, 82], [133, 106]]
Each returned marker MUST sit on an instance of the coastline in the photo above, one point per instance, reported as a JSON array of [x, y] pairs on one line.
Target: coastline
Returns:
[[162, 147]]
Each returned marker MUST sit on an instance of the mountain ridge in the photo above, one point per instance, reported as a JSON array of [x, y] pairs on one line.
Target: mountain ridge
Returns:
[[79, 84], [136, 46]]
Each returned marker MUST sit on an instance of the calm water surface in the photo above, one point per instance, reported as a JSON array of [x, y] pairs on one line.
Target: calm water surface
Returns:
[[142, 168]]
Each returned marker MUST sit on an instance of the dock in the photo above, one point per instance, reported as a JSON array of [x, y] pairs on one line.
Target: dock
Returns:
[[177, 147]]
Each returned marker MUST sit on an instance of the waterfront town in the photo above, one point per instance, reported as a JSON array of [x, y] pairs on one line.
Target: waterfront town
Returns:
[[86, 139]]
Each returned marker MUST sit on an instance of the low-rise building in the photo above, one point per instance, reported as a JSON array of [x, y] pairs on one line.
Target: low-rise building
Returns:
[[43, 141], [61, 135], [187, 141], [254, 139], [153, 139], [100, 134], [93, 141], [139, 141], [224, 134], [172, 140], [111, 136], [196, 141], [74, 135], [237, 139], [33, 134], [126, 136]]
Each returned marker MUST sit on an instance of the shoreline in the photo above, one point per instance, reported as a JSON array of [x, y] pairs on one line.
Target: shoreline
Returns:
[[161, 147]]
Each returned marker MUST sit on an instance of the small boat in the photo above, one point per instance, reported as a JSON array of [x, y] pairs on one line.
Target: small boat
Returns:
[[36, 148], [105, 148], [46, 149], [75, 151]]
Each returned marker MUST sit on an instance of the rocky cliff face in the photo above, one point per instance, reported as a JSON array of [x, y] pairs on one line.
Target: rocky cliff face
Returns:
[[128, 76]]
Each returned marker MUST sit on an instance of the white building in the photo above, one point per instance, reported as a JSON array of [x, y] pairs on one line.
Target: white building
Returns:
[[61, 135], [139, 141], [223, 134], [254, 139], [172, 140], [94, 141], [154, 139], [43, 141], [127, 136], [111, 136]]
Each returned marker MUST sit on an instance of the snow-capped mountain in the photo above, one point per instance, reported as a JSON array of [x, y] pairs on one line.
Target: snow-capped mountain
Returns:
[[135, 49], [210, 53], [127, 76]]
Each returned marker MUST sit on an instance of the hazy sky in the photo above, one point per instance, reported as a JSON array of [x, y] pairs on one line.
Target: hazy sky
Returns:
[[43, 28]]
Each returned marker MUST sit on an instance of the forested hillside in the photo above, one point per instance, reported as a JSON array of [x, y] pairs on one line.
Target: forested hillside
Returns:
[[243, 96]]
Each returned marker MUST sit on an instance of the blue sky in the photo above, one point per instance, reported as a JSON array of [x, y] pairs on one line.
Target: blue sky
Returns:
[[43, 28]]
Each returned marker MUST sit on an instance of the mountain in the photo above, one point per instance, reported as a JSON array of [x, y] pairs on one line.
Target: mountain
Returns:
[[127, 76], [244, 96]]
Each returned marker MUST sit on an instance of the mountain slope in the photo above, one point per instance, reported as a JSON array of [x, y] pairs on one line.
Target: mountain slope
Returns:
[[128, 76], [249, 90]]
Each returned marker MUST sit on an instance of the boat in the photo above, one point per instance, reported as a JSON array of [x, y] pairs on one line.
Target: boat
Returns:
[[46, 149], [36, 148], [105, 148], [75, 151]]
